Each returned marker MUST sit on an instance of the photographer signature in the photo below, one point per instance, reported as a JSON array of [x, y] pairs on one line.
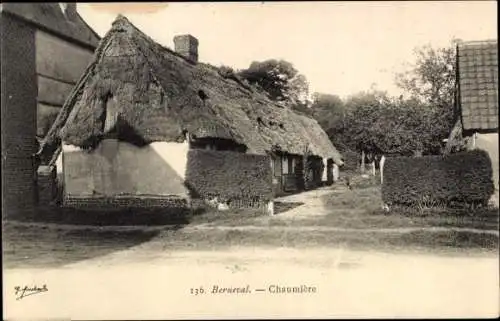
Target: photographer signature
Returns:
[[22, 292]]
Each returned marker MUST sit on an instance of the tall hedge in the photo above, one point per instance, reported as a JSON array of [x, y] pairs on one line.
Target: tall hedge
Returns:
[[464, 177], [230, 176]]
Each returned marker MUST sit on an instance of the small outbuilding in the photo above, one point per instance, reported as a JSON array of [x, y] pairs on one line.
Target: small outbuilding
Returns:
[[477, 100]]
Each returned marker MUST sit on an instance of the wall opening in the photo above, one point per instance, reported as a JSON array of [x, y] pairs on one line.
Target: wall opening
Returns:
[[203, 96], [219, 144], [109, 116]]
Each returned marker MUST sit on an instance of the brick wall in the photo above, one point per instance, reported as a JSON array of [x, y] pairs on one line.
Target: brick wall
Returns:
[[18, 117], [118, 202], [47, 185]]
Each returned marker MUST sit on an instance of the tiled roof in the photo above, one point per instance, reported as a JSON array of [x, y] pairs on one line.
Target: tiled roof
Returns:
[[50, 16], [478, 85]]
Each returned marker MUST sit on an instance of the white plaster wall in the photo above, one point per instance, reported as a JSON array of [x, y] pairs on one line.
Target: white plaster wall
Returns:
[[489, 143], [324, 176], [336, 172], [120, 168], [59, 163], [175, 154]]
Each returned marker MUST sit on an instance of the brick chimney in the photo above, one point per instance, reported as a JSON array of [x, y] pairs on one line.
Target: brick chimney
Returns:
[[187, 46], [69, 9]]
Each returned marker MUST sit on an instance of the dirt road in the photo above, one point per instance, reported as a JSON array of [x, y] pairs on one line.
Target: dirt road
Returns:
[[347, 284], [132, 272]]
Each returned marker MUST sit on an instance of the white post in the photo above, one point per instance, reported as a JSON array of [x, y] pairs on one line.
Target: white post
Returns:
[[362, 161], [382, 161], [324, 176], [270, 208], [335, 172]]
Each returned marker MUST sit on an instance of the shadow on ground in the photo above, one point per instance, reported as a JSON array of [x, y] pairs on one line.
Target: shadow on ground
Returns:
[[56, 236], [280, 207], [49, 245], [110, 217]]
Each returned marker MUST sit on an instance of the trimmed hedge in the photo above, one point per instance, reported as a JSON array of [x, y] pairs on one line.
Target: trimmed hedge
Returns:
[[232, 177], [461, 178]]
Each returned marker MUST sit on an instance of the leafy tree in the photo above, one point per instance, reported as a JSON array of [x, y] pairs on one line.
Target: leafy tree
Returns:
[[364, 124], [328, 110], [279, 79], [377, 123], [431, 80]]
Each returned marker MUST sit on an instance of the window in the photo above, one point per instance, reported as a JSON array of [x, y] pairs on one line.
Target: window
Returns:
[[289, 164], [277, 166], [285, 165], [293, 164]]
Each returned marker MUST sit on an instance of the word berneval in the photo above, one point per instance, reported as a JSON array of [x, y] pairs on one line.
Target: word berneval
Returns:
[[273, 289]]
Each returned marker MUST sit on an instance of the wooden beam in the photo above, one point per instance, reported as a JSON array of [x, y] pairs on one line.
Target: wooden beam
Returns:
[[59, 59], [53, 92]]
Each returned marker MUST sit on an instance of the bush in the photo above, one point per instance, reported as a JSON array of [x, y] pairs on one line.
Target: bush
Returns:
[[456, 179], [351, 159], [242, 180]]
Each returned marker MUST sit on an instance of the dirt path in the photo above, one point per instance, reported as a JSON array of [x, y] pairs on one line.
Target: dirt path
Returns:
[[151, 279], [347, 283], [311, 203]]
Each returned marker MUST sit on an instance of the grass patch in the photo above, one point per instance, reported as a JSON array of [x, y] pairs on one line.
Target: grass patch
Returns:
[[232, 216], [362, 208], [238, 217], [414, 241]]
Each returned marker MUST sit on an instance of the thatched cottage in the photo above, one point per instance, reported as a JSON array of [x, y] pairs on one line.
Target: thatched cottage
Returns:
[[477, 99], [45, 48], [151, 123]]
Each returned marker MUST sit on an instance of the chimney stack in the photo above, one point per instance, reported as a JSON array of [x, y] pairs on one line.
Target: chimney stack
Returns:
[[69, 9], [187, 46]]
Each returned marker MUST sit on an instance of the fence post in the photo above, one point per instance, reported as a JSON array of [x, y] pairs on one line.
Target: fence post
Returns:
[[362, 161], [382, 161], [270, 208]]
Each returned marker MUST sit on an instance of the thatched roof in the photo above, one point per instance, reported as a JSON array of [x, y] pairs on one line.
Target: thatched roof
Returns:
[[160, 95], [477, 72], [48, 16]]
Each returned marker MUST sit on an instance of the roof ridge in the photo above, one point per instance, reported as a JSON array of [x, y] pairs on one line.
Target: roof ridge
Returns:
[[478, 42], [122, 23], [49, 17]]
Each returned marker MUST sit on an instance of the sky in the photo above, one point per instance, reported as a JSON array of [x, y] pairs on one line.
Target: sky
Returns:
[[341, 47]]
